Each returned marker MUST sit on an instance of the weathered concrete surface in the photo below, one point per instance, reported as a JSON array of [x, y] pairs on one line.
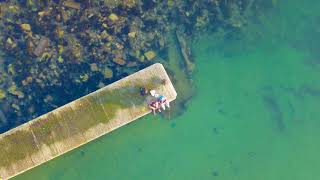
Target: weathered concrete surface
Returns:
[[80, 121]]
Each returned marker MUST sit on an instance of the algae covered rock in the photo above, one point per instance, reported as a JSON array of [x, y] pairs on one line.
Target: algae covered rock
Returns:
[[94, 67], [119, 61], [132, 34], [150, 55], [11, 69], [107, 73], [113, 17], [59, 32], [2, 94], [10, 43], [84, 77], [72, 4], [141, 58], [60, 59], [42, 45], [42, 13], [132, 64], [25, 27], [27, 81], [105, 35], [13, 90]]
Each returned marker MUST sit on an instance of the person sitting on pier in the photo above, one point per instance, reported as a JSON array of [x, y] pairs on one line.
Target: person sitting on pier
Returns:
[[161, 99], [163, 102], [154, 106]]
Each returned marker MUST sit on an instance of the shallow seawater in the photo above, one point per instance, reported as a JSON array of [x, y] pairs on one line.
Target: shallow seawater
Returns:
[[255, 114]]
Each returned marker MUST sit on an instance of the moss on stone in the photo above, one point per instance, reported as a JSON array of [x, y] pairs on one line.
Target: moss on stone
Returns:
[[150, 55], [88, 112], [16, 146], [113, 17], [2, 94]]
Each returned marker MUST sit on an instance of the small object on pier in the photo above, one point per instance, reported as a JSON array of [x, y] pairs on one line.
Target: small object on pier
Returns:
[[153, 92], [163, 82], [143, 91]]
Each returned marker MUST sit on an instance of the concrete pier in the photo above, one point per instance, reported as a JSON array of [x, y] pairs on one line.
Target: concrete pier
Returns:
[[80, 121]]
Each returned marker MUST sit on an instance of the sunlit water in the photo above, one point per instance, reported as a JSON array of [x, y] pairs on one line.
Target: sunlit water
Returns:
[[255, 114]]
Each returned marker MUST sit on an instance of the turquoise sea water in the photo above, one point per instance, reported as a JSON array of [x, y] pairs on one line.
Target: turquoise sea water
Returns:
[[255, 114]]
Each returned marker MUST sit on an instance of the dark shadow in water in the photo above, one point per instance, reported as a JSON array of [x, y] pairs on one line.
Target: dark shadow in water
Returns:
[[292, 91], [292, 110], [314, 63], [82, 153], [215, 131], [311, 91], [222, 112], [140, 149], [173, 124], [252, 155], [300, 93], [220, 109], [215, 173], [303, 91], [271, 104]]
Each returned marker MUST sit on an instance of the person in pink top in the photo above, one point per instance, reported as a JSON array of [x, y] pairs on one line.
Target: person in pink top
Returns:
[[162, 100]]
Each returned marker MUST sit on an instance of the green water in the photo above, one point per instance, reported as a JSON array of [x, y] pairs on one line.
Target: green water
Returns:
[[255, 114]]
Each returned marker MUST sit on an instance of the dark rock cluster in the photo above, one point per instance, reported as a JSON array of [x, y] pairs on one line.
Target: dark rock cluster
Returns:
[[54, 51]]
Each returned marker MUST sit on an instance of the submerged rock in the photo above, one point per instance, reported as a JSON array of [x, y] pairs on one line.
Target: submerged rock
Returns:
[[72, 4], [131, 64], [84, 77], [150, 55], [13, 90], [60, 32], [10, 43], [119, 61], [113, 17], [141, 58], [186, 52], [132, 34], [42, 45], [94, 67], [25, 27], [108, 73], [2, 94]]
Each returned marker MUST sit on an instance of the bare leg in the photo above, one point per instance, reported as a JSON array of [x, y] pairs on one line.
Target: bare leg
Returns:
[[153, 110], [167, 104], [163, 106]]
